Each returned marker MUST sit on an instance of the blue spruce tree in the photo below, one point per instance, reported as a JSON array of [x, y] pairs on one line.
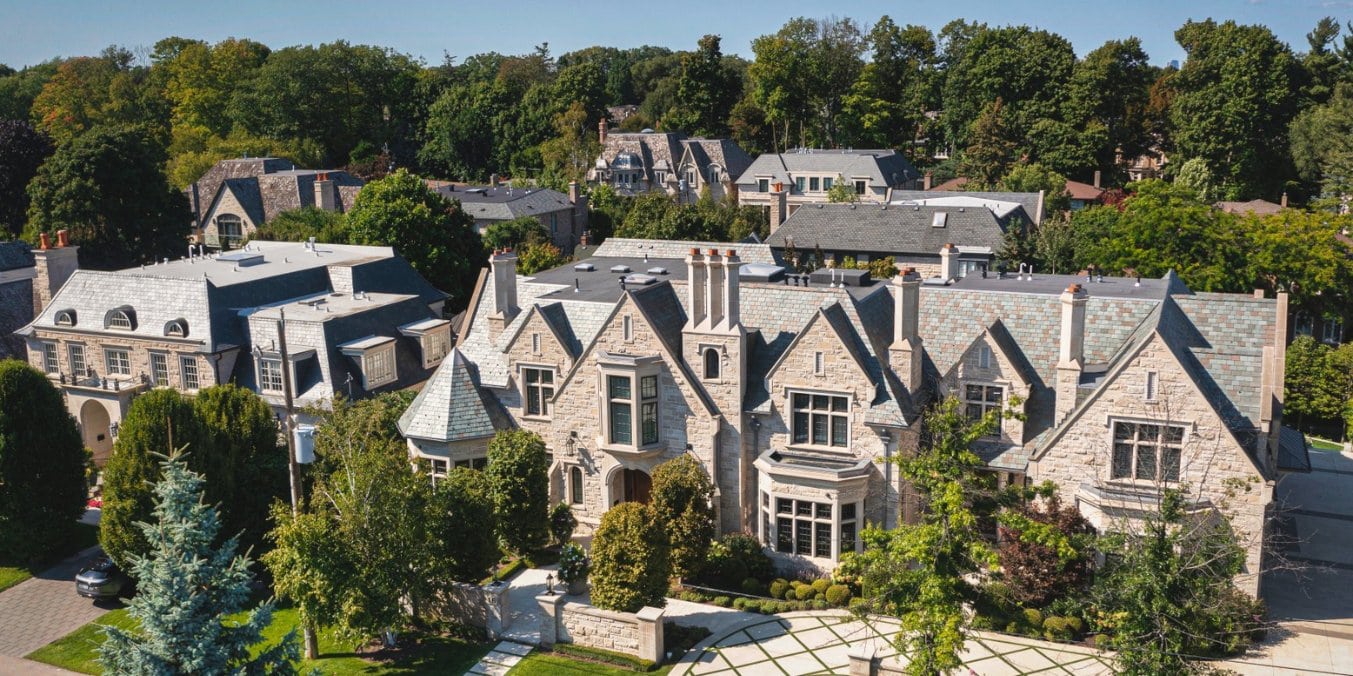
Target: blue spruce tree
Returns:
[[187, 587]]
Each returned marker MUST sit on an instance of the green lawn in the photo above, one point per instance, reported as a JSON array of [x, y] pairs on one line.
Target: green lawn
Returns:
[[12, 574], [546, 664], [1324, 445], [433, 655]]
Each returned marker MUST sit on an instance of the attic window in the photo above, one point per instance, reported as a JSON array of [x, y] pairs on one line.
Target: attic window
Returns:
[[176, 328], [65, 318], [939, 219], [123, 318], [818, 365], [1151, 385], [376, 356], [983, 357]]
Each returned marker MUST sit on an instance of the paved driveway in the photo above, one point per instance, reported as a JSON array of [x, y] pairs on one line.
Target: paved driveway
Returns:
[[44, 608], [823, 642], [1312, 598]]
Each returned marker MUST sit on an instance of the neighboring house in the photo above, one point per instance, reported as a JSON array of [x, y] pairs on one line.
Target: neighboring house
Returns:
[[652, 161], [564, 216], [359, 320], [19, 297], [782, 182], [1006, 206], [1080, 195], [913, 234], [1256, 207], [796, 396], [235, 197]]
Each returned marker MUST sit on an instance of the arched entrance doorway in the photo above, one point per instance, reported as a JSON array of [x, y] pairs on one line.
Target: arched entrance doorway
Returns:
[[630, 485], [94, 428]]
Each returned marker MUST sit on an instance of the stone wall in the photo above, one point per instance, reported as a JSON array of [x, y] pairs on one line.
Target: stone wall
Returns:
[[485, 607], [639, 634]]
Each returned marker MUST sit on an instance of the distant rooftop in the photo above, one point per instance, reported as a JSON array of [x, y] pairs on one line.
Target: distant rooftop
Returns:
[[322, 307], [259, 260], [1047, 284]]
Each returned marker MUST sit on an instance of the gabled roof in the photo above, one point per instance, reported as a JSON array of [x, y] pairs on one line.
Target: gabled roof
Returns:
[[1031, 203], [888, 230], [449, 407], [1257, 207], [884, 168], [501, 203]]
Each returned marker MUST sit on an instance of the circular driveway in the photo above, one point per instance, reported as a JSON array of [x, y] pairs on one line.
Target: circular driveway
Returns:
[[826, 642]]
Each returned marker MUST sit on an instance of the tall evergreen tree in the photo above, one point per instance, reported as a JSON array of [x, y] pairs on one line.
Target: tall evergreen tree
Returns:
[[991, 148], [187, 588]]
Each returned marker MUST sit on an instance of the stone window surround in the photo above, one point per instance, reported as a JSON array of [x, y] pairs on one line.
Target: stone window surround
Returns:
[[51, 358], [769, 523], [108, 351], [79, 361], [159, 372], [1190, 427], [634, 368], [522, 389], [849, 415], [1151, 386], [190, 376], [720, 353], [1005, 385], [575, 484]]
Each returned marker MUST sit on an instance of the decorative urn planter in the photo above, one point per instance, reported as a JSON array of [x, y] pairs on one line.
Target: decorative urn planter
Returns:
[[577, 587]]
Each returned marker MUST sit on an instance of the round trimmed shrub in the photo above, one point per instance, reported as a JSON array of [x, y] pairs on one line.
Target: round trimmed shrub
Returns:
[[630, 559], [820, 585], [1075, 625], [723, 601], [769, 607], [1055, 629], [752, 586], [838, 595], [803, 592], [739, 603], [778, 589], [1033, 618], [858, 605], [820, 605]]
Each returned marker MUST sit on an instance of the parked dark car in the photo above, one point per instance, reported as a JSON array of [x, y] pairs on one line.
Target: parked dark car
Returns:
[[102, 579]]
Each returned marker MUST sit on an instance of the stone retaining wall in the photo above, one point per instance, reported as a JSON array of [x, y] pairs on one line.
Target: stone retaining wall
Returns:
[[485, 607], [638, 634]]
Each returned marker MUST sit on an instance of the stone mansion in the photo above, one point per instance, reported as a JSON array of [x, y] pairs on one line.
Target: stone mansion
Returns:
[[794, 392]]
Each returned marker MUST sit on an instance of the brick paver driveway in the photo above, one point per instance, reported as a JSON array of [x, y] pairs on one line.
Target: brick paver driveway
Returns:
[[823, 642], [38, 611]]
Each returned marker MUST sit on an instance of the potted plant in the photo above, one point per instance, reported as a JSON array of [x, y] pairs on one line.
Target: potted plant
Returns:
[[573, 568]]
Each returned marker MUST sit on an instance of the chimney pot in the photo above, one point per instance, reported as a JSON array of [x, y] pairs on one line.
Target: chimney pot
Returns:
[[714, 252], [695, 251], [44, 242], [731, 253], [62, 238]]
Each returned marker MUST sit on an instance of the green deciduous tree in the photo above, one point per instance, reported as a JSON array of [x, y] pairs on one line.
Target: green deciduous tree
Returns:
[[630, 559], [1322, 147], [801, 76], [540, 256], [1236, 96], [42, 465], [157, 423], [436, 236], [886, 105], [465, 554], [89, 91], [991, 147], [1110, 90], [245, 460], [515, 234], [518, 473], [1045, 549], [22, 150], [1319, 384], [706, 92], [683, 500], [299, 225], [108, 188], [187, 588], [1034, 177], [919, 572]]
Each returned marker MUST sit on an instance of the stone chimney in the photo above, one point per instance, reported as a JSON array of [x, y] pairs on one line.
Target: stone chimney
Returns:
[[697, 285], [52, 267], [949, 262], [326, 193], [1098, 176], [1070, 349], [504, 265], [928, 181], [731, 309], [601, 130], [573, 192], [779, 209], [906, 353]]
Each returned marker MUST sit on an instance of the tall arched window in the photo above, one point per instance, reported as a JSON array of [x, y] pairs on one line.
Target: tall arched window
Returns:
[[711, 363], [575, 485], [230, 229]]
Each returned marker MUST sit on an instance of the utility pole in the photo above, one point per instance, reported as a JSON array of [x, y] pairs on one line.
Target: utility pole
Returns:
[[293, 467]]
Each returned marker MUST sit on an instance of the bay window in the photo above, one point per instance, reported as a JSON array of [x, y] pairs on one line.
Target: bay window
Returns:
[[811, 528], [620, 406], [630, 402]]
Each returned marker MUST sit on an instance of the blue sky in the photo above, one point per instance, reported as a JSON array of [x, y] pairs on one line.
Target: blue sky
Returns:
[[35, 30]]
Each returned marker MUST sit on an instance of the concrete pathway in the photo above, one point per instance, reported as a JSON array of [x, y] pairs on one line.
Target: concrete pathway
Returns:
[[822, 642], [45, 607], [500, 660]]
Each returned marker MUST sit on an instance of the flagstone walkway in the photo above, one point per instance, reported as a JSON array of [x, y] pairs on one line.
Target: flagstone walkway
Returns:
[[500, 660], [822, 643]]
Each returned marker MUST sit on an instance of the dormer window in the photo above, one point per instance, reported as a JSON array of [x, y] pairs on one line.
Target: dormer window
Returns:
[[711, 356], [65, 318], [122, 318], [375, 355], [434, 337], [177, 328]]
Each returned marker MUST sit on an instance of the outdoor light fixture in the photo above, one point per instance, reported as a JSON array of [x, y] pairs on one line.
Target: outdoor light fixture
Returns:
[[571, 442], [112, 429], [549, 584]]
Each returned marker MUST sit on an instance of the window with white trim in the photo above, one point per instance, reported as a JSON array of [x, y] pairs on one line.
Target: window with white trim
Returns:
[[799, 184], [270, 375], [859, 187], [815, 184], [809, 527], [1146, 451], [120, 319], [473, 463], [230, 229], [763, 185], [50, 362], [117, 361], [378, 366], [980, 399], [65, 318], [436, 344], [76, 353], [538, 390], [188, 375], [820, 420], [159, 369], [622, 425]]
